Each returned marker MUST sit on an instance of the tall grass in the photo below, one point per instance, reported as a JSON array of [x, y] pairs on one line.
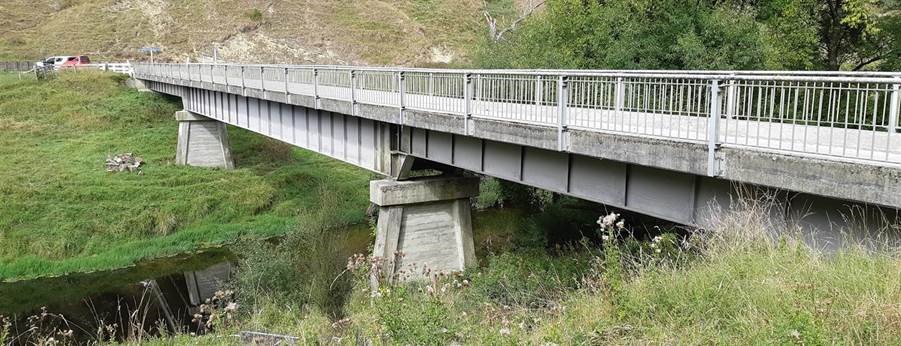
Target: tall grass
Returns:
[[735, 284]]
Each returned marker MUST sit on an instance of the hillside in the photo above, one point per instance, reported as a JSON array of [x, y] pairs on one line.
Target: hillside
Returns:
[[63, 212], [379, 32]]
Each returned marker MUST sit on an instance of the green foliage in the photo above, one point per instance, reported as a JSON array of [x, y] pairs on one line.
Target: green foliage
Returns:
[[529, 279], [255, 15], [732, 35], [628, 35], [410, 318]]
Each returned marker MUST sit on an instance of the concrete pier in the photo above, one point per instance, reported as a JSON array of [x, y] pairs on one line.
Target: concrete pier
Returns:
[[202, 142], [424, 225]]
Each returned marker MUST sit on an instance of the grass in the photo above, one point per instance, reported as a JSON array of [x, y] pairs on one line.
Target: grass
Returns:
[[735, 285], [62, 212]]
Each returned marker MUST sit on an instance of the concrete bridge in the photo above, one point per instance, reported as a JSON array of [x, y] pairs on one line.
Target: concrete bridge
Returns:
[[677, 145]]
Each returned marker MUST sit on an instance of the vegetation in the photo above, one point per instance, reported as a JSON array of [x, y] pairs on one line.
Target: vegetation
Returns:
[[672, 34], [735, 284], [62, 212]]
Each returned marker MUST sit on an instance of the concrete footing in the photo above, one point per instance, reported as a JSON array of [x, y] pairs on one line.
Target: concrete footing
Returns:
[[202, 142], [137, 84], [424, 225]]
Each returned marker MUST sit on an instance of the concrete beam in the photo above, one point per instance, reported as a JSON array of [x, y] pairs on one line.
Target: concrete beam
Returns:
[[393, 192]]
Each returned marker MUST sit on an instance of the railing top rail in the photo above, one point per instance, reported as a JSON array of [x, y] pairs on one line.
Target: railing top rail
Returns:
[[819, 76]]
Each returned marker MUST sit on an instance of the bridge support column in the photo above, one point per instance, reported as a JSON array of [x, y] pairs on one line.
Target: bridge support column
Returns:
[[202, 142], [424, 225]]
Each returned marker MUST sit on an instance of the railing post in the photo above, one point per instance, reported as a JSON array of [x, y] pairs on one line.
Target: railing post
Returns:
[[287, 95], [431, 85], [894, 108], [243, 85], [467, 102], [539, 92], [562, 99], [620, 92], [212, 76], [401, 86], [263, 80], [353, 93], [316, 88], [713, 129]]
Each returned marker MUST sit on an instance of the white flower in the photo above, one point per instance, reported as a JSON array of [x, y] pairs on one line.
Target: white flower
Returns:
[[621, 224], [607, 221], [657, 250], [657, 239], [505, 331]]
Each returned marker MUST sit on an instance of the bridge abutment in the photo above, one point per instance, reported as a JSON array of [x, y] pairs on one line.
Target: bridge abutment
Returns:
[[202, 142], [424, 225]]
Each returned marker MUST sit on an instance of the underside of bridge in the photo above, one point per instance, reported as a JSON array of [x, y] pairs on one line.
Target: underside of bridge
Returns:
[[656, 178]]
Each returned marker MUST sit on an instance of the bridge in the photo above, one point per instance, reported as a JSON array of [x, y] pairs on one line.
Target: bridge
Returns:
[[677, 145]]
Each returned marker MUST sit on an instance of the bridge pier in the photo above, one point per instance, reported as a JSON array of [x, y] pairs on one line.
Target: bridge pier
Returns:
[[202, 142], [424, 225]]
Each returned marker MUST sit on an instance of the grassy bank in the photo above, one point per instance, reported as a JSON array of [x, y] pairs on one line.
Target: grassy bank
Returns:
[[63, 212], [732, 286]]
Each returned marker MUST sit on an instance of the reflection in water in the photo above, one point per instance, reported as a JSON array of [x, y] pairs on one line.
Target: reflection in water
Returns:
[[150, 297], [165, 294]]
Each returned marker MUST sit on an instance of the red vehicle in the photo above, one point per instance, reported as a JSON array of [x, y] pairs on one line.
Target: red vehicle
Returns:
[[76, 61]]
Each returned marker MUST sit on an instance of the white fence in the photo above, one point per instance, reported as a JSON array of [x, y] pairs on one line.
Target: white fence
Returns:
[[840, 115]]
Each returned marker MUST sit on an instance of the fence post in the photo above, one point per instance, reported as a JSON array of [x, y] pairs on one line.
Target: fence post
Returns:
[[431, 85], [401, 87], [713, 121], [539, 92], [316, 87], [467, 102], [562, 98]]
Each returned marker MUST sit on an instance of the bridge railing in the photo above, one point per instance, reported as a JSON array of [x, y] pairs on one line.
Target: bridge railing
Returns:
[[845, 115]]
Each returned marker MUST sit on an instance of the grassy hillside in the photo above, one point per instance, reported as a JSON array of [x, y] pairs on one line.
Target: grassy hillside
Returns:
[[63, 212], [409, 32]]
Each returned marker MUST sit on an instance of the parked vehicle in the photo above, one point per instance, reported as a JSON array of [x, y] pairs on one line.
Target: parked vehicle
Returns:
[[75, 61], [54, 61]]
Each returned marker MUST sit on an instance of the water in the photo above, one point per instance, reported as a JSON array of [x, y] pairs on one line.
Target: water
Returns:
[[164, 289], [83, 301]]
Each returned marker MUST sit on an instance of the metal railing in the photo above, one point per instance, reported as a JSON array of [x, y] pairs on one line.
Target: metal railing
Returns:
[[840, 115]]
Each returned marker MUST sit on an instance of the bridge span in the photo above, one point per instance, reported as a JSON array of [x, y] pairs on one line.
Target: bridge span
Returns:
[[677, 145]]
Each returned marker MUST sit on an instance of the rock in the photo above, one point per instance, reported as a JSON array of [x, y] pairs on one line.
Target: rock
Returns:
[[124, 162]]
